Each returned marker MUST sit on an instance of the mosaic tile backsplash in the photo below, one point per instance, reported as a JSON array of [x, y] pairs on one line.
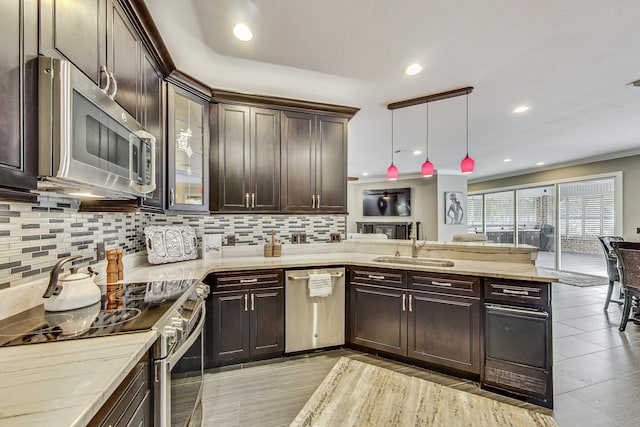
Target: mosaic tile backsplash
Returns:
[[34, 237]]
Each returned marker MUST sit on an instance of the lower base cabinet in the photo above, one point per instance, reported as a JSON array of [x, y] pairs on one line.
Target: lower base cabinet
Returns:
[[444, 330], [439, 327], [131, 404], [245, 323]]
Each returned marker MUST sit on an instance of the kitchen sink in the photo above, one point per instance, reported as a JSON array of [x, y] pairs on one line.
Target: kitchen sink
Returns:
[[427, 262]]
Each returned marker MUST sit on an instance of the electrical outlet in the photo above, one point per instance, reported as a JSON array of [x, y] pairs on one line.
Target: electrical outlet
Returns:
[[638, 230], [231, 240], [334, 237], [302, 238], [295, 238], [100, 252]]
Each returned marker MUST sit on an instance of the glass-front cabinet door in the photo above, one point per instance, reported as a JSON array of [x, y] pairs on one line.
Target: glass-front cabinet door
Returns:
[[188, 152]]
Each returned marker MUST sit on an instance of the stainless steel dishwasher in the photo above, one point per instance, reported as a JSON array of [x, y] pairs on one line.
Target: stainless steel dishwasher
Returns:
[[313, 322]]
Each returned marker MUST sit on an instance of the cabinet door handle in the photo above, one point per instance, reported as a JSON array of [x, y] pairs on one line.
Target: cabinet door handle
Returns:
[[105, 89], [172, 199], [445, 284], [514, 292], [404, 302], [253, 307], [253, 200], [245, 302], [317, 201], [254, 280], [313, 201], [246, 200], [410, 299], [376, 277], [115, 86]]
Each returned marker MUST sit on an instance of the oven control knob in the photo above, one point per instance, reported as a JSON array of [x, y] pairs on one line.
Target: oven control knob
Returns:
[[172, 335], [202, 290]]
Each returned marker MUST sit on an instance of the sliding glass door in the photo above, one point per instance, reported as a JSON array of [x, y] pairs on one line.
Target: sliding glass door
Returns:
[[535, 220], [499, 216], [586, 211]]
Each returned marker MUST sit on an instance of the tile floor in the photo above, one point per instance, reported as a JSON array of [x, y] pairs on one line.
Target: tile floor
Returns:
[[596, 373]]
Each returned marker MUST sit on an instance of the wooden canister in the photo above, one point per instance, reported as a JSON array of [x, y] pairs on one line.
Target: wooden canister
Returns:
[[277, 249], [268, 250]]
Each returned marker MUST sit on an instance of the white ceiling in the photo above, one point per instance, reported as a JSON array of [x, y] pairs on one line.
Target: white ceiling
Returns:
[[569, 60]]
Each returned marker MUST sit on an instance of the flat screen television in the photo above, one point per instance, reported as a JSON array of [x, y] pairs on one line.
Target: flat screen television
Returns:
[[386, 202]]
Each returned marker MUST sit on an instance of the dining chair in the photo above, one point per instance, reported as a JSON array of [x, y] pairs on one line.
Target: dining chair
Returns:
[[612, 266], [629, 261]]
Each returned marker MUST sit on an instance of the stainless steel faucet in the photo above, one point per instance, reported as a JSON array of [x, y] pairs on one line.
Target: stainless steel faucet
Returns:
[[415, 246]]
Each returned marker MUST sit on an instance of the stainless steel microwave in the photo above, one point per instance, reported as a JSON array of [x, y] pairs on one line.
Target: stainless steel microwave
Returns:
[[89, 146]]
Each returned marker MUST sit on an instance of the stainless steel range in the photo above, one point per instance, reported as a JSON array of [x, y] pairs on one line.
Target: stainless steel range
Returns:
[[174, 308]]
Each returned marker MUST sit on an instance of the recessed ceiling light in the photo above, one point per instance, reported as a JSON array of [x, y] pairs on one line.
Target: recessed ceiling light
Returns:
[[365, 173], [521, 109], [540, 164], [417, 152], [242, 32], [413, 69], [506, 160]]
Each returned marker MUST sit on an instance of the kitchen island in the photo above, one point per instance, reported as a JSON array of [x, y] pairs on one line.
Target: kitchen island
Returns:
[[66, 383]]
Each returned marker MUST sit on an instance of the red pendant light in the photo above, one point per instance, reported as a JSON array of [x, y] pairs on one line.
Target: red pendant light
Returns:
[[467, 164], [427, 166], [392, 170]]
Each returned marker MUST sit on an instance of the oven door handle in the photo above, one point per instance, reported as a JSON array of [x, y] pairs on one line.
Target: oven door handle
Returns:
[[186, 345], [518, 310]]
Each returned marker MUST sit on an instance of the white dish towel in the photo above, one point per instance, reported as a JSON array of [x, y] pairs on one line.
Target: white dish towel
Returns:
[[319, 285]]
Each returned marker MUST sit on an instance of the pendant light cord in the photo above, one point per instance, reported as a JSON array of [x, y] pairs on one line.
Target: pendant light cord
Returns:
[[391, 136], [427, 130], [467, 124]]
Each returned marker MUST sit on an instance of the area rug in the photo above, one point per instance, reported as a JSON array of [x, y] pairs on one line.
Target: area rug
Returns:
[[575, 279], [358, 394]]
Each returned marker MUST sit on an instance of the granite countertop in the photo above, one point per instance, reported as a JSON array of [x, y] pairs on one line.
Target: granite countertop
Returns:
[[200, 268], [65, 383]]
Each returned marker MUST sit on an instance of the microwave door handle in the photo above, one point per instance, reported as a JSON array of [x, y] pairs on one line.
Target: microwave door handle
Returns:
[[115, 86], [105, 89]]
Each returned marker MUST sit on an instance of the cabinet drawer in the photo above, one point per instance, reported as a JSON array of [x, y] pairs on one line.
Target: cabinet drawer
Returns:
[[125, 401], [516, 291], [378, 276], [468, 286], [244, 279]]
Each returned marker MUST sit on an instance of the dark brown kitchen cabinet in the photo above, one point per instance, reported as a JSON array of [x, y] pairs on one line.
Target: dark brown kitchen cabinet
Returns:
[[98, 37], [247, 316], [76, 31], [124, 60], [248, 158], [314, 169], [131, 404], [187, 151], [377, 309], [18, 103], [429, 317]]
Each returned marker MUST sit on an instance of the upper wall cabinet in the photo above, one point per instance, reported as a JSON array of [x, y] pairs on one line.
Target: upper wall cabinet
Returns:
[[248, 158], [314, 163], [187, 151], [99, 39], [18, 103]]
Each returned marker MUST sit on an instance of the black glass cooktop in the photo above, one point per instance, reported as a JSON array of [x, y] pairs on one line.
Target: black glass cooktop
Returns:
[[128, 307]]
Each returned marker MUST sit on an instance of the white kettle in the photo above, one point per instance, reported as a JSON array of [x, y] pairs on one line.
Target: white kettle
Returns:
[[75, 290]]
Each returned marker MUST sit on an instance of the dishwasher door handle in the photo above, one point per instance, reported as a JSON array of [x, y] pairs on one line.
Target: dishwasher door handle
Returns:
[[333, 276]]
